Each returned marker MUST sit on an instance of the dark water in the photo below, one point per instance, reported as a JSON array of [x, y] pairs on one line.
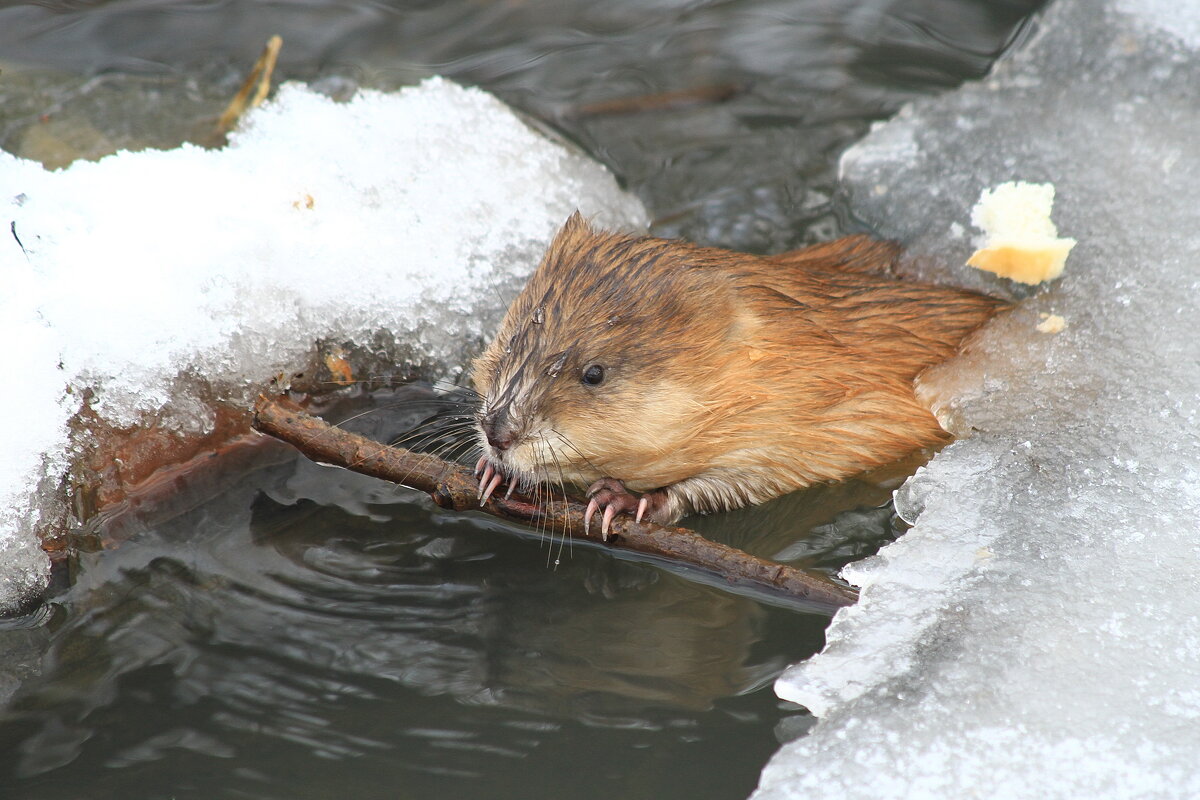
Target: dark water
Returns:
[[273, 628], [755, 171]]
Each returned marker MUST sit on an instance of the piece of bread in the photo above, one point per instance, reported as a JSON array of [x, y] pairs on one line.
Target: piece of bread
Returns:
[[1019, 242], [1052, 323]]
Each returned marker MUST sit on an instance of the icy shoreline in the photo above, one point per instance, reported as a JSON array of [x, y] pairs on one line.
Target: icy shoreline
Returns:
[[398, 213], [1034, 634]]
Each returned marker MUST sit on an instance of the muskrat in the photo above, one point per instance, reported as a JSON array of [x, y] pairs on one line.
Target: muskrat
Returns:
[[708, 379]]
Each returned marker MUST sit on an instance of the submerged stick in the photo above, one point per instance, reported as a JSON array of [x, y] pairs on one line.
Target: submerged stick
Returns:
[[660, 101], [453, 486]]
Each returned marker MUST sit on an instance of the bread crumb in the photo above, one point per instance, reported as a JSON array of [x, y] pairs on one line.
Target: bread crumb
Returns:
[[1051, 323], [1020, 242]]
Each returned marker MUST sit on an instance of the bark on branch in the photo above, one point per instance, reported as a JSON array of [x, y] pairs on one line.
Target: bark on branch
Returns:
[[453, 486]]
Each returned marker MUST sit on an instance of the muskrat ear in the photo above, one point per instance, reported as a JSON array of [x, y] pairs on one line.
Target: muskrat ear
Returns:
[[576, 224], [570, 237]]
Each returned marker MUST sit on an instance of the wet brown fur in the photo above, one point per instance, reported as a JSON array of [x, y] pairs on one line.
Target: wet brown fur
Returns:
[[729, 378]]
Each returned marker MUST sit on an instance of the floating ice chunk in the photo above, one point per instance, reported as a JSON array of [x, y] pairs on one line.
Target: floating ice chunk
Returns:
[[397, 212], [1034, 634]]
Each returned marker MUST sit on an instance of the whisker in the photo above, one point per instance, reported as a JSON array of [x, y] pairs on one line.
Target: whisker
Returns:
[[446, 423], [430, 431], [445, 451], [544, 500], [567, 520], [576, 450], [549, 501], [448, 416], [462, 447]]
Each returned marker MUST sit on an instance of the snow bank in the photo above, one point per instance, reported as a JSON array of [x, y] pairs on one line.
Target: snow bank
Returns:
[[1035, 635], [401, 212]]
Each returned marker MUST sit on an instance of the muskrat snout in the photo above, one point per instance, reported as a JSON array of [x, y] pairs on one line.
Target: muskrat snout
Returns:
[[498, 428]]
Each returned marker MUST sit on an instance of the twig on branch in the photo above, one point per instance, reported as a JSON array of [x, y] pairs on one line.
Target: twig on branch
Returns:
[[258, 81], [453, 486]]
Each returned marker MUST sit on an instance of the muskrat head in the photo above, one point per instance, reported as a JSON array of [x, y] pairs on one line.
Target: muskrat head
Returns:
[[599, 367]]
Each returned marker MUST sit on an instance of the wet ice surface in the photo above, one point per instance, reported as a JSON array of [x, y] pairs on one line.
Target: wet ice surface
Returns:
[[404, 213], [1035, 634]]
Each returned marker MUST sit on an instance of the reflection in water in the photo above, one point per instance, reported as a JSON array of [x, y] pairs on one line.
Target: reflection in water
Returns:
[[456, 612]]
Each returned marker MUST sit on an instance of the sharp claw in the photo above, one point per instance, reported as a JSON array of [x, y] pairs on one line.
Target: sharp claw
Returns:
[[480, 464], [488, 471], [491, 487], [643, 504], [511, 485], [609, 512], [592, 508]]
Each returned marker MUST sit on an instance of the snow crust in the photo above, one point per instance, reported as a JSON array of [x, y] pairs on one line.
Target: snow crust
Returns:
[[1035, 634], [404, 213]]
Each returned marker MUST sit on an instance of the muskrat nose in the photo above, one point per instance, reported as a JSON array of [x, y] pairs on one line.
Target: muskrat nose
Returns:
[[498, 429]]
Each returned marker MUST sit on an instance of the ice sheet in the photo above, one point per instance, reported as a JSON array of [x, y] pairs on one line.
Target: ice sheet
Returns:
[[401, 212], [1036, 634]]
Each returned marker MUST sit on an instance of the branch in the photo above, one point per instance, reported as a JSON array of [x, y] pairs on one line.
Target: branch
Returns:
[[258, 82], [453, 486]]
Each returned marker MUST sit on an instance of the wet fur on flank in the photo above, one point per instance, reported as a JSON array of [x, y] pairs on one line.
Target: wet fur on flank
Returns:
[[729, 378]]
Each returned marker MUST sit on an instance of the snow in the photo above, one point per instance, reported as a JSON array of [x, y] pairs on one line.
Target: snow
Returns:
[[403, 213], [1035, 634]]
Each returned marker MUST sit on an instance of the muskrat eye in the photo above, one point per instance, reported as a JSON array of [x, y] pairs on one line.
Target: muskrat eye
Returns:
[[593, 374]]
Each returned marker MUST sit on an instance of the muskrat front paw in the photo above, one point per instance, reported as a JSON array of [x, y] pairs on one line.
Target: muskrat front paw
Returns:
[[611, 495], [489, 478]]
